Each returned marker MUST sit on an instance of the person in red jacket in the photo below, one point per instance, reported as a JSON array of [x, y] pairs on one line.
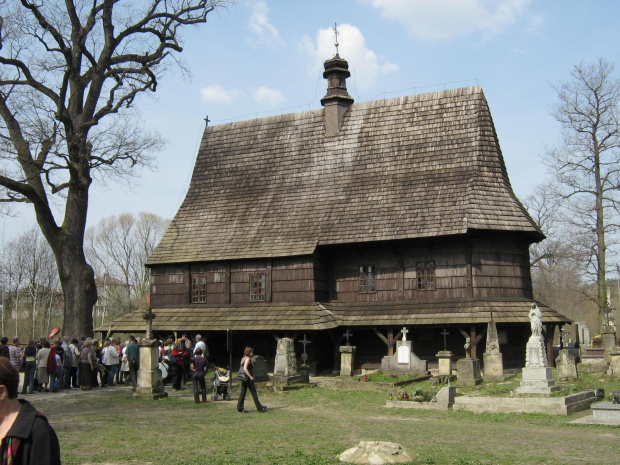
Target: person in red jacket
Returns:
[[27, 436], [177, 355]]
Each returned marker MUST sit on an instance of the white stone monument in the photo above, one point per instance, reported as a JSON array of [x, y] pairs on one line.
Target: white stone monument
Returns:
[[404, 359], [536, 376]]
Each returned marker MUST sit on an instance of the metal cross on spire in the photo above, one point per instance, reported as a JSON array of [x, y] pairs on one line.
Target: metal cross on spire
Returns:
[[335, 29]]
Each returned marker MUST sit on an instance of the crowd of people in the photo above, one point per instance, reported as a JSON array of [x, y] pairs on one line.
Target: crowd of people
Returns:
[[51, 366], [65, 363]]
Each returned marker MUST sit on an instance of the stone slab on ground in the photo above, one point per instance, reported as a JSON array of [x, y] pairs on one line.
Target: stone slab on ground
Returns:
[[376, 453], [603, 413], [411, 404], [548, 405]]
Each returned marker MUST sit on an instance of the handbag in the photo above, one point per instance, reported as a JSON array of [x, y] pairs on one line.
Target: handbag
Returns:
[[242, 375]]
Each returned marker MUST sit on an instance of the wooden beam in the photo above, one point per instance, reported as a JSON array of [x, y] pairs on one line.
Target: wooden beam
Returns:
[[389, 340]]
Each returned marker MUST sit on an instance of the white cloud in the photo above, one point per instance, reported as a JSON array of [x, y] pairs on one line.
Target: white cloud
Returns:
[[263, 94], [264, 32], [217, 94], [449, 19], [365, 64]]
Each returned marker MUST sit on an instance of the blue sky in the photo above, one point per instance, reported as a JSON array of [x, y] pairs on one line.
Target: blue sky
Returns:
[[262, 58]]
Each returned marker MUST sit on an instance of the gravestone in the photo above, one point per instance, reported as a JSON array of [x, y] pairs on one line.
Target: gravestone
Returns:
[[566, 367], [285, 370], [149, 382], [260, 371], [492, 357], [609, 341], [614, 362], [347, 356], [347, 359], [536, 375], [445, 396], [444, 358], [468, 369], [304, 369], [404, 360], [583, 334]]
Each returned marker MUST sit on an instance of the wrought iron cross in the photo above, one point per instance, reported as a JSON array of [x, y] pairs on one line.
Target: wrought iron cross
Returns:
[[444, 333], [336, 33], [348, 334], [207, 121], [305, 342]]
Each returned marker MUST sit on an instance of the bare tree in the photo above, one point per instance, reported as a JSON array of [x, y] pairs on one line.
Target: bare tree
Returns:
[[30, 272], [587, 163], [120, 246], [70, 72]]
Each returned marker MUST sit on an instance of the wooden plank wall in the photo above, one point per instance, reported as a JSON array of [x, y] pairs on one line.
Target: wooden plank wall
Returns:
[[501, 268], [481, 266], [169, 285]]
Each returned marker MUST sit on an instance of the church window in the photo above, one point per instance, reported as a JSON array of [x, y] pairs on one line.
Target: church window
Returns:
[[257, 287], [199, 288], [368, 283], [426, 276]]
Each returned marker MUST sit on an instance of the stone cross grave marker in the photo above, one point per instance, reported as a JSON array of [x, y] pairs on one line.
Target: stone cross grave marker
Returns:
[[404, 331], [149, 316], [348, 334]]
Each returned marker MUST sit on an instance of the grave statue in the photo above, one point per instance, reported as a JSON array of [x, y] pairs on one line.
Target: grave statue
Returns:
[[536, 355], [536, 320], [536, 375]]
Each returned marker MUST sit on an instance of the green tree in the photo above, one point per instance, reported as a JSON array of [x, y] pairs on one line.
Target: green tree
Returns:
[[70, 72]]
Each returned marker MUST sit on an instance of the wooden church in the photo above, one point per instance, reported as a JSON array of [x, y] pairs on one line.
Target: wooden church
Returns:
[[359, 217]]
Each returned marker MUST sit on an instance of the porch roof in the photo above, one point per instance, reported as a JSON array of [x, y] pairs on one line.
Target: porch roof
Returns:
[[321, 316]]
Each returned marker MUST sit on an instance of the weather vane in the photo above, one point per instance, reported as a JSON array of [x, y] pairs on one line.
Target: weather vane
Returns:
[[335, 29]]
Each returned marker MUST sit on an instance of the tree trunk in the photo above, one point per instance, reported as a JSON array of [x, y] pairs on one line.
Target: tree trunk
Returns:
[[601, 275], [78, 285], [77, 277]]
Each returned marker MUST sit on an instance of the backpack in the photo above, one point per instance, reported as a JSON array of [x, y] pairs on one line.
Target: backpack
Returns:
[[67, 358]]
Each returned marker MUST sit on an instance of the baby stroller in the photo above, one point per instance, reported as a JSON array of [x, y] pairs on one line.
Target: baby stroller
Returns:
[[221, 376]]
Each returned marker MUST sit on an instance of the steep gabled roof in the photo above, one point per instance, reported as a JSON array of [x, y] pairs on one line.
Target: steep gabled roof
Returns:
[[410, 167]]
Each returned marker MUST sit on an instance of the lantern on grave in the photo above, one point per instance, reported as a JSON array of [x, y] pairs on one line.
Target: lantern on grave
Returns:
[[405, 396]]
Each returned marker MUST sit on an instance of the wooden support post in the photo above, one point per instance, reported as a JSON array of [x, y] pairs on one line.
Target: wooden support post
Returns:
[[548, 333], [474, 338], [474, 343], [389, 340]]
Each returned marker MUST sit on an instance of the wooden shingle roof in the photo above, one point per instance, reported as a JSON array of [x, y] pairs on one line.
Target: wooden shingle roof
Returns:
[[410, 167], [317, 316]]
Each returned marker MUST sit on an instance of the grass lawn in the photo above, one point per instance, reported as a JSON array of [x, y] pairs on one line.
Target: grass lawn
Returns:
[[311, 427]]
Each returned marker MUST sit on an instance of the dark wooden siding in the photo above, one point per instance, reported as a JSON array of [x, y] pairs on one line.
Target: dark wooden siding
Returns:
[[484, 265], [501, 268], [292, 280], [170, 285]]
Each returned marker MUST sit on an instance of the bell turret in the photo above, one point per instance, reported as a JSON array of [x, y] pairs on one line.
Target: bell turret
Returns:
[[337, 99]]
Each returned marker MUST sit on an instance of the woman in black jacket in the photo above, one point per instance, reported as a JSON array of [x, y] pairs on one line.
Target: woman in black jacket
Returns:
[[26, 435]]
